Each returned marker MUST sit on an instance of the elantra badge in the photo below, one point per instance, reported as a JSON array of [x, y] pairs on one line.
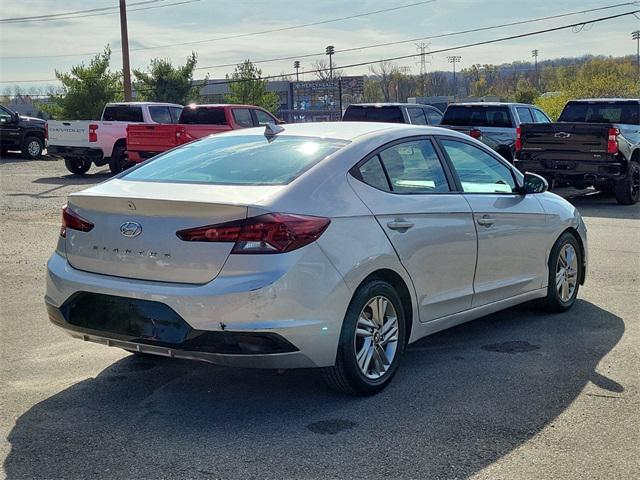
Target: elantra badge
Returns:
[[131, 229]]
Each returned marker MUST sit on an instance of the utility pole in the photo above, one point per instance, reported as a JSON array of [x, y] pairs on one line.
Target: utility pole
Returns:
[[636, 36], [296, 65], [124, 39], [454, 59], [330, 50], [534, 54], [423, 48]]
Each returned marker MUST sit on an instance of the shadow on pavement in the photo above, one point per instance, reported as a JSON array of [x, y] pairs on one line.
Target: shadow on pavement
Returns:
[[462, 399], [591, 203]]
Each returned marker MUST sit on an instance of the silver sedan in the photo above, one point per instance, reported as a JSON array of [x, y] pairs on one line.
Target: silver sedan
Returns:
[[330, 245]]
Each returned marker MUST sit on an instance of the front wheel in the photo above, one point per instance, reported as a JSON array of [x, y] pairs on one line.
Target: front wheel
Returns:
[[565, 271], [79, 166], [371, 341], [628, 189], [32, 148]]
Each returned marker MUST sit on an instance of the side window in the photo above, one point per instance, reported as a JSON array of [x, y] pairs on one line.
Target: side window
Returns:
[[478, 171], [123, 113], [263, 117], [524, 114], [373, 174], [160, 114], [242, 117], [433, 117], [540, 117], [417, 116], [175, 113], [414, 167], [5, 116]]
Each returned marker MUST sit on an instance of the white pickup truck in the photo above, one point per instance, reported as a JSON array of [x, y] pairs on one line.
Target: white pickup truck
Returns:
[[83, 142]]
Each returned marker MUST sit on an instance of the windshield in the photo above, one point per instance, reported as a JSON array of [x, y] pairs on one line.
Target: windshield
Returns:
[[606, 112], [477, 116], [238, 160]]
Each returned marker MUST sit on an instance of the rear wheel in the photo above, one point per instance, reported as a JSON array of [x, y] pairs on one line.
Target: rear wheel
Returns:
[[79, 166], [32, 148], [118, 160], [627, 190], [371, 342], [565, 270]]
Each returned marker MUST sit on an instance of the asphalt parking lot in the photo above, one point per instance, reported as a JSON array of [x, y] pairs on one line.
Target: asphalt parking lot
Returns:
[[515, 395]]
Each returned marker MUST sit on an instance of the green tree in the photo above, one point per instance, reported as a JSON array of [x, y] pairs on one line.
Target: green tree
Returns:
[[85, 90], [249, 88], [525, 91], [166, 83]]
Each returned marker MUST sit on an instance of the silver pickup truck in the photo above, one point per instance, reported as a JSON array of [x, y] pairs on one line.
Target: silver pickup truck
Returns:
[[493, 123]]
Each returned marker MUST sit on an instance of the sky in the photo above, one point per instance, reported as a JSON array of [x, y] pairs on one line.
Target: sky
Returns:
[[46, 41]]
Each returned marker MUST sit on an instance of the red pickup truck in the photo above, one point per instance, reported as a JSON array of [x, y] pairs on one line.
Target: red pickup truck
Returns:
[[196, 121]]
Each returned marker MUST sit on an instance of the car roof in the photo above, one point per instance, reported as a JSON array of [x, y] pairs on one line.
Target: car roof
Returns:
[[390, 104], [220, 105], [339, 130], [490, 104], [123, 104], [631, 100]]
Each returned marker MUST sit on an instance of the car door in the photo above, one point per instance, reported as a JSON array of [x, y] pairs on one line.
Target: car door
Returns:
[[9, 130], [408, 189], [510, 226]]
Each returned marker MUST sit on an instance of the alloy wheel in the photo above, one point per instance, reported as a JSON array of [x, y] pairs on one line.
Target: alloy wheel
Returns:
[[567, 272], [33, 148], [376, 337]]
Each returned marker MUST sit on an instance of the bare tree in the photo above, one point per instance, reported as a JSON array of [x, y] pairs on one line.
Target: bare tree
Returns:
[[322, 72], [385, 72]]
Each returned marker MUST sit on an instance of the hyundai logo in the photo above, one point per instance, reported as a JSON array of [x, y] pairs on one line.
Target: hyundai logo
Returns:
[[131, 229]]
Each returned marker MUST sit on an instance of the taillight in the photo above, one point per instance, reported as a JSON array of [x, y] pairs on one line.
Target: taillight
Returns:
[[72, 220], [270, 233], [518, 146], [475, 133], [612, 141], [93, 135]]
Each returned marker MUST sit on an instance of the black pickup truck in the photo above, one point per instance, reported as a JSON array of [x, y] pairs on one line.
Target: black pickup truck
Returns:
[[595, 142], [26, 134]]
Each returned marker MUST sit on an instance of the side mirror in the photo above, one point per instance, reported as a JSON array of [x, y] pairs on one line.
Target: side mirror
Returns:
[[16, 117], [534, 183]]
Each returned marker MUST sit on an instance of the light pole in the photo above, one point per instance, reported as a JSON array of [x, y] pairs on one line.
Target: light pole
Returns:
[[330, 50], [296, 65], [454, 59], [534, 54], [636, 36], [124, 40]]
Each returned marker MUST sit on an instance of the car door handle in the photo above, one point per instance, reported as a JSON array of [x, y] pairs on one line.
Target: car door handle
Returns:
[[399, 225], [486, 221]]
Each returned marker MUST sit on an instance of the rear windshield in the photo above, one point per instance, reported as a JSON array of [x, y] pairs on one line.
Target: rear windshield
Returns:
[[614, 112], [203, 116], [123, 113], [373, 114], [238, 160], [477, 116]]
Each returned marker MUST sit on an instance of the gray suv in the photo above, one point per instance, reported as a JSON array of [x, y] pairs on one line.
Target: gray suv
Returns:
[[493, 123], [412, 113]]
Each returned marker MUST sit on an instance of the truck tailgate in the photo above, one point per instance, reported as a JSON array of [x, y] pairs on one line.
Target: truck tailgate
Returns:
[[152, 138], [68, 133], [584, 138]]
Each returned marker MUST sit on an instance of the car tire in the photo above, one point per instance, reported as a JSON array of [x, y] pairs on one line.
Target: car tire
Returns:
[[118, 160], [565, 272], [32, 148], [627, 190], [368, 340], [78, 166]]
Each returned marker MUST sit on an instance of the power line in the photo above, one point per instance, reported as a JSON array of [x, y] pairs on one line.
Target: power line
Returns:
[[243, 35], [442, 50], [52, 15]]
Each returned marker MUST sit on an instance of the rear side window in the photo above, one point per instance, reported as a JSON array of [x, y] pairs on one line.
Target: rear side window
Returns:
[[242, 117], [539, 116], [414, 167], [524, 114], [613, 112], [238, 160], [387, 114], [417, 116], [160, 114], [203, 116], [477, 116], [434, 118], [263, 117], [373, 174], [175, 114], [123, 113]]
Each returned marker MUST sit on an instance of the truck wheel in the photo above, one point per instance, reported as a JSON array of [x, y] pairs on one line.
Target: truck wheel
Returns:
[[32, 148], [79, 166], [118, 160], [627, 190]]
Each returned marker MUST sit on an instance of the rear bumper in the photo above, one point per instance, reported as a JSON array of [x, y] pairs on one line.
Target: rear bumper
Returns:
[[93, 154], [575, 170], [246, 320]]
